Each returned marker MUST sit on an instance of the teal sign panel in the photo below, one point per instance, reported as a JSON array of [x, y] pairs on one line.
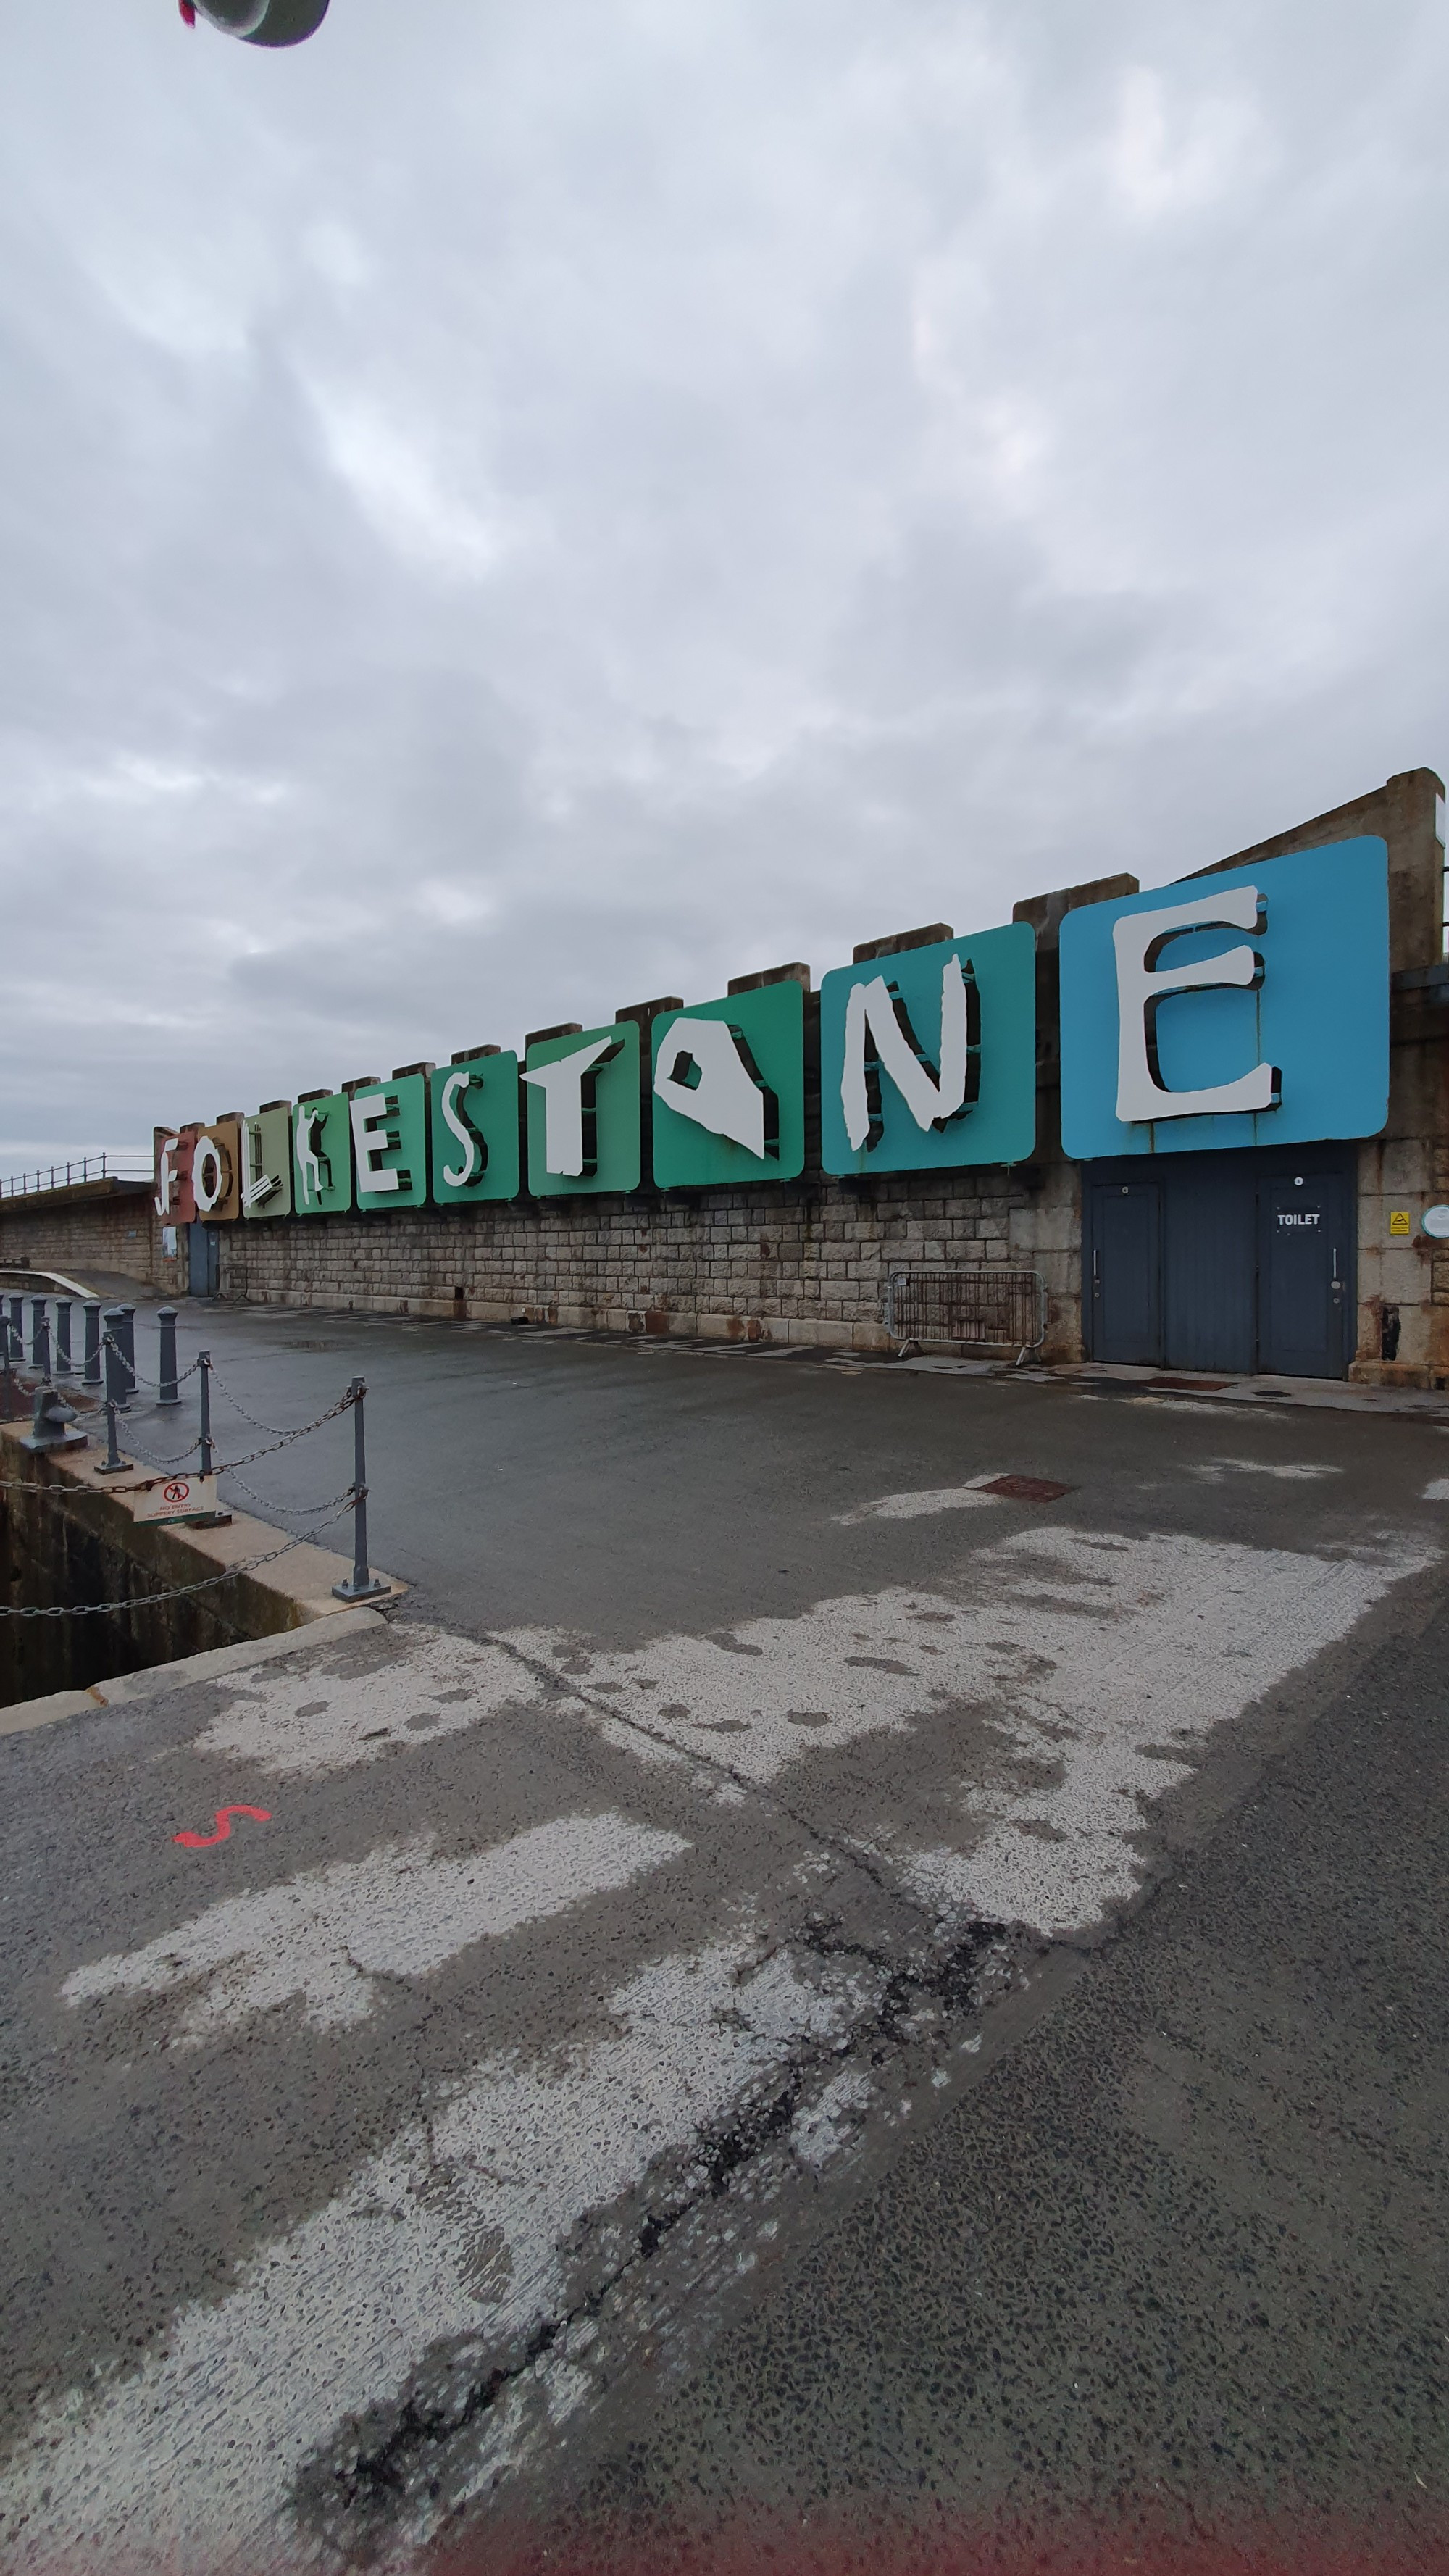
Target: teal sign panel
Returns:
[[583, 1112], [322, 1155], [475, 1130], [928, 1058], [729, 1090], [1249, 1007], [390, 1144], [266, 1146]]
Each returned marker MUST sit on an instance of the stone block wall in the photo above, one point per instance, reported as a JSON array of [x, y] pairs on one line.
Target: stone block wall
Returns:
[[803, 1262], [105, 1228]]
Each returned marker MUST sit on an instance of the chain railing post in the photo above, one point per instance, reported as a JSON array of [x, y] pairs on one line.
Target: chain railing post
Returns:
[[362, 1584], [9, 1381], [113, 1462], [170, 1391], [203, 1365], [40, 1337], [17, 1327], [92, 1313], [64, 1366]]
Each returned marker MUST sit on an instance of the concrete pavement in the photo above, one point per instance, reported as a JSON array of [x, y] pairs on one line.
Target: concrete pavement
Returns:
[[746, 1774]]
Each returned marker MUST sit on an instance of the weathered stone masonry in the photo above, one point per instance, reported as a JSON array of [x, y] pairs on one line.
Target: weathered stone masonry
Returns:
[[807, 1261]]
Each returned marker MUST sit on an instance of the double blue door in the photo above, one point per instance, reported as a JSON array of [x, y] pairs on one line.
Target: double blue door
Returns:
[[1239, 1262]]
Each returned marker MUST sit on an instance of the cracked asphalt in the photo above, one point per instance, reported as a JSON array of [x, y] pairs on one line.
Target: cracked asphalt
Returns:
[[784, 1990]]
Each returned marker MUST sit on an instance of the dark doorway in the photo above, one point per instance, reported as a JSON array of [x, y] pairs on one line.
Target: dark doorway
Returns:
[[1127, 1271], [1302, 1265], [1239, 1262], [203, 1259]]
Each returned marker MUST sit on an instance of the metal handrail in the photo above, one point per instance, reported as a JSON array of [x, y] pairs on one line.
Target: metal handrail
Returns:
[[90, 1167]]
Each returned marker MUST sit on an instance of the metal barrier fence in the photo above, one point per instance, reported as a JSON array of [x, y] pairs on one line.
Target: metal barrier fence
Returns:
[[110, 1346], [986, 1306], [89, 1167]]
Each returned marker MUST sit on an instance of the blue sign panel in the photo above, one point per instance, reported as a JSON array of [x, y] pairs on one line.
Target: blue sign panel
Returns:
[[1247, 1008], [928, 1058]]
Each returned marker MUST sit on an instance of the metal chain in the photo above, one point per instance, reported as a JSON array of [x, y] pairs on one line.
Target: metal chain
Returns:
[[287, 1438], [139, 1373], [270, 1427], [165, 1464], [289, 1511], [146, 1600]]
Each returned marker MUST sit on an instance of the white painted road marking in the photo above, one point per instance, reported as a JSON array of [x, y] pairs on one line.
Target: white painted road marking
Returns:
[[337, 1709], [401, 1912], [1213, 1470], [1082, 1684], [456, 2229], [915, 1507], [998, 1754]]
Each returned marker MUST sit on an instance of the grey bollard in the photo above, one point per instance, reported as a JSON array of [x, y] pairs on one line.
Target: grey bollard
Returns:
[[118, 1377], [40, 1336], [92, 1313], [63, 1363], [7, 1381], [166, 1372], [17, 1326]]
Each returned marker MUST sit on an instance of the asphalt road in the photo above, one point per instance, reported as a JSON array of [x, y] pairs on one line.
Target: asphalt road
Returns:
[[787, 1988]]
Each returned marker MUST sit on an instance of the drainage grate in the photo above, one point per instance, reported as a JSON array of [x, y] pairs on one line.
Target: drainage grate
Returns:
[[1007, 1307]]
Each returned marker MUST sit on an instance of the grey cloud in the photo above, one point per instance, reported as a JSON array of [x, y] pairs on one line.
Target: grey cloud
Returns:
[[506, 513]]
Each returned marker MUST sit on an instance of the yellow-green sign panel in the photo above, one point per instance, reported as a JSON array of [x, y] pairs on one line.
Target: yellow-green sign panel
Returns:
[[266, 1179]]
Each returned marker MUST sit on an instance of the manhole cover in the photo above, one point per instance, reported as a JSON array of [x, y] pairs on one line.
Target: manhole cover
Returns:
[[1025, 1489]]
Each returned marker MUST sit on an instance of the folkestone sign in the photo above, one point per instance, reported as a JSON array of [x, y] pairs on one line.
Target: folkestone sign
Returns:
[[1247, 1007]]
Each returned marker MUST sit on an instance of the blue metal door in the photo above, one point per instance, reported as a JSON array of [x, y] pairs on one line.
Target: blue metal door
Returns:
[[1126, 1284], [1209, 1264], [1305, 1268], [203, 1260]]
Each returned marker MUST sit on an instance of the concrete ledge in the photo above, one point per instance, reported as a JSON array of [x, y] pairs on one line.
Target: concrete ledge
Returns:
[[156, 1679]]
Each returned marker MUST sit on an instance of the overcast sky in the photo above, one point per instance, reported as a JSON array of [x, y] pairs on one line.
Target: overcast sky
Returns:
[[520, 506]]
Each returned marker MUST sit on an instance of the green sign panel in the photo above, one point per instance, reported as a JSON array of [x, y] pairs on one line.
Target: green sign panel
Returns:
[[475, 1130], [729, 1090], [928, 1057], [266, 1180], [322, 1155], [390, 1144], [583, 1112]]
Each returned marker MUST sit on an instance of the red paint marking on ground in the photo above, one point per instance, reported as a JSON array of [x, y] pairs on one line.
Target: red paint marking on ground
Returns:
[[203, 1842]]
